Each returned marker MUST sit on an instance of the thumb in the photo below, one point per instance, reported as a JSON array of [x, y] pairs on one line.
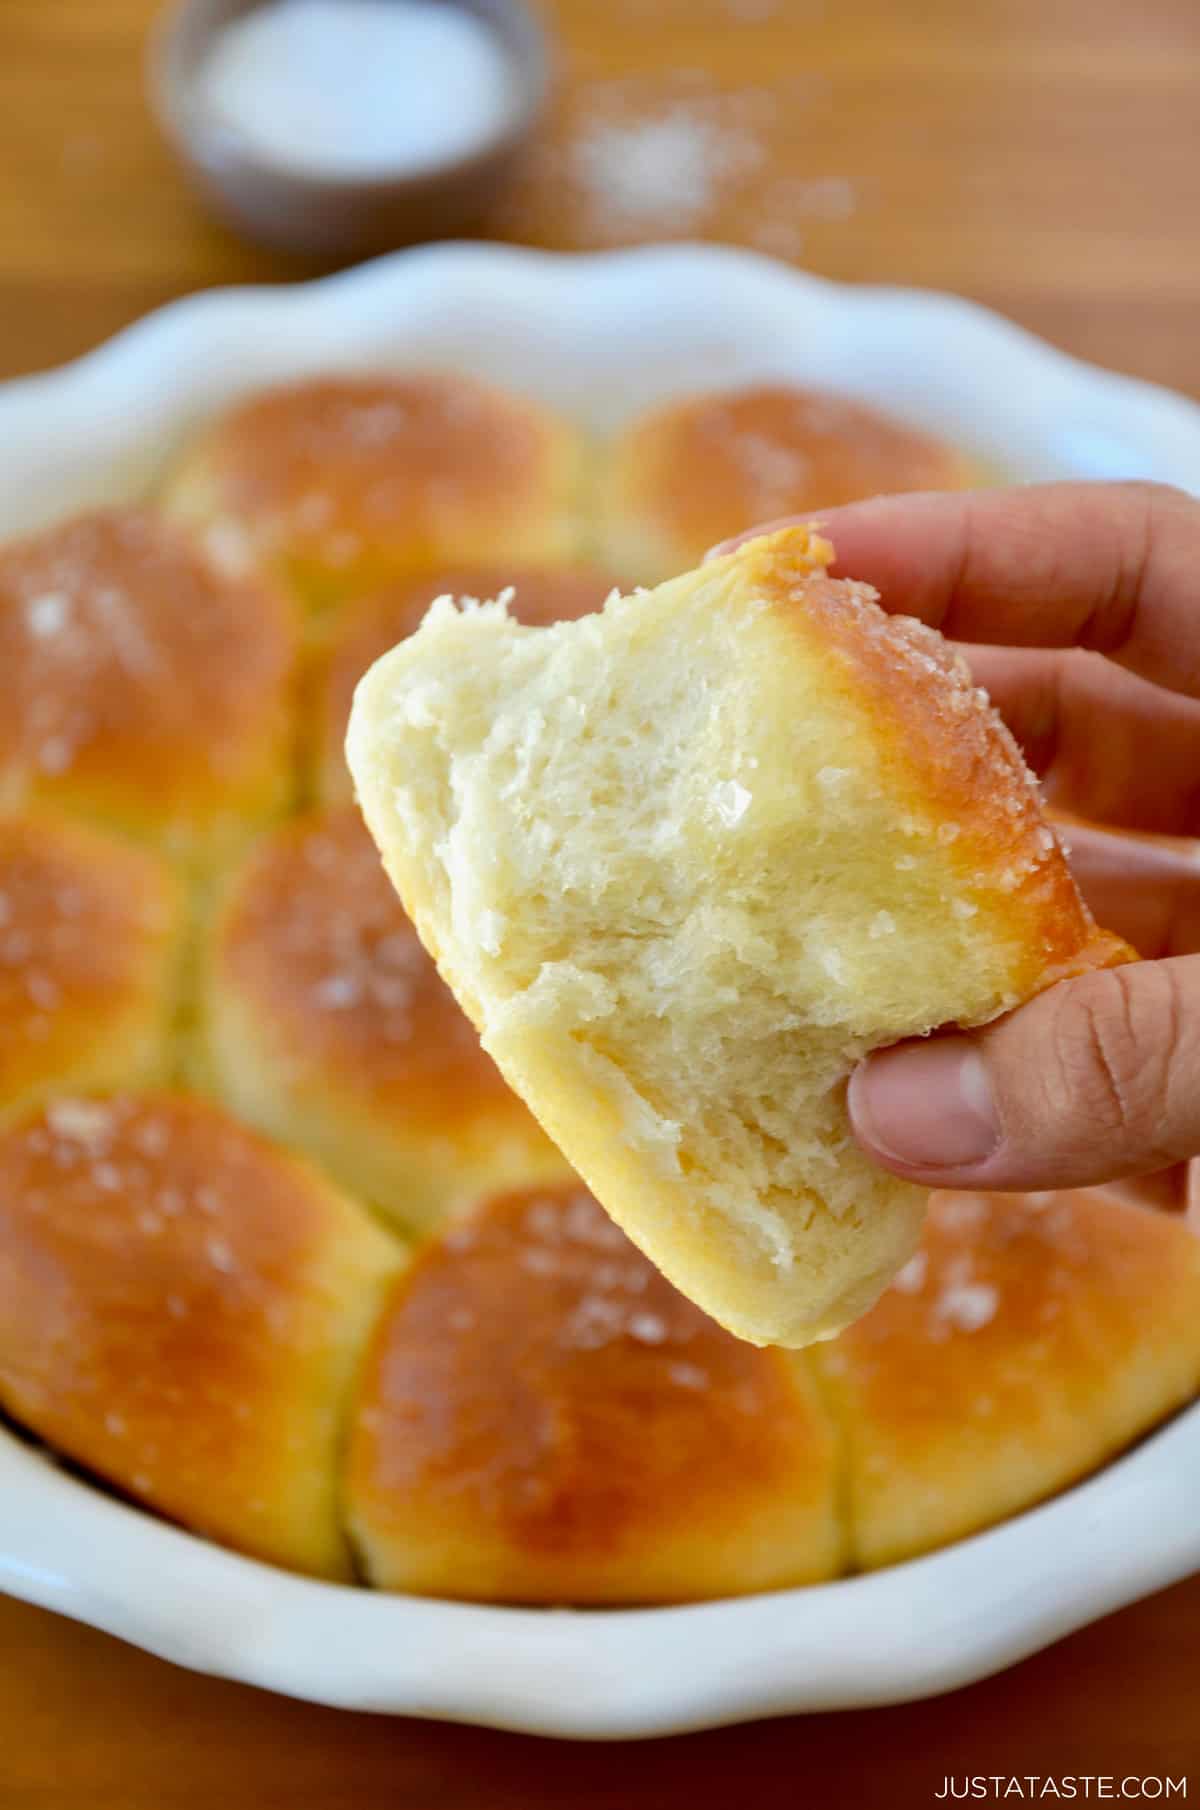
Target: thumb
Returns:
[[1094, 1079]]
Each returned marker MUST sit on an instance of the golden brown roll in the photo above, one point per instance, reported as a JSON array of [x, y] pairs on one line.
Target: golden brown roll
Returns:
[[370, 627], [183, 1309], [324, 1021], [544, 1419], [339, 484], [694, 472], [685, 863], [1029, 1339], [139, 686], [89, 947]]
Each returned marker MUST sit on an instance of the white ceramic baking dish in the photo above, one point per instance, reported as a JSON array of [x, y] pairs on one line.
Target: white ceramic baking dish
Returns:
[[599, 336]]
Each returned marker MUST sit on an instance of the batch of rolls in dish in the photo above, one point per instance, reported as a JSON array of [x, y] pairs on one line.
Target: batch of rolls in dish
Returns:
[[284, 1257]]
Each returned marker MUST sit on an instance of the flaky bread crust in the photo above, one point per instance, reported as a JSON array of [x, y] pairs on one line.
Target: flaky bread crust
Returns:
[[91, 940], [1030, 1338], [322, 1020], [183, 1307], [338, 485], [143, 688], [697, 470], [544, 1419]]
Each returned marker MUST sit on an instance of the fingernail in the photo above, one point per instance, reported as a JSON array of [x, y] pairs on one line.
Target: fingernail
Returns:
[[762, 528], [926, 1105]]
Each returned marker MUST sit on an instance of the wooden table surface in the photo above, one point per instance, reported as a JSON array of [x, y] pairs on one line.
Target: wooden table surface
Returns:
[[1040, 157]]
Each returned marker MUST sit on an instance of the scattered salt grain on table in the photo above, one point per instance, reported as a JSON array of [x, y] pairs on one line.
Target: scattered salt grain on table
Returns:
[[661, 172], [359, 87], [680, 155]]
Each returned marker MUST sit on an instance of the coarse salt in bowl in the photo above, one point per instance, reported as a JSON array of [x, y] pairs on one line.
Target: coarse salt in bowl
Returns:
[[341, 126], [359, 87]]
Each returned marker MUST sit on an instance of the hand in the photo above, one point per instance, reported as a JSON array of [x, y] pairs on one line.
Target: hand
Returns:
[[1099, 1077]]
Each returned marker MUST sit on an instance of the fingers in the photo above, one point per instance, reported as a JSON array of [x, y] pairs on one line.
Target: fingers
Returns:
[[1110, 567], [1095, 1079], [1147, 891], [1140, 769]]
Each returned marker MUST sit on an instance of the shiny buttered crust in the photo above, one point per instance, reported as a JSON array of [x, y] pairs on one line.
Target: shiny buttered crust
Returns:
[[369, 628], [340, 484], [90, 937], [183, 1309], [323, 1021], [684, 863], [1029, 1339], [544, 1419], [692, 473], [141, 687]]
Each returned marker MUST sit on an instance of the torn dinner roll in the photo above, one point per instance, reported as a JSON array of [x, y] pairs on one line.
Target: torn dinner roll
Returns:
[[687, 861]]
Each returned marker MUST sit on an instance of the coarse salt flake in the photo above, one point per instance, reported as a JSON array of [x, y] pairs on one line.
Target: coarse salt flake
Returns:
[[663, 171], [228, 547], [833, 964], [910, 1278], [55, 754], [79, 1121], [43, 992], [687, 1376], [968, 1306], [360, 87], [48, 615], [731, 801], [220, 1255], [337, 992]]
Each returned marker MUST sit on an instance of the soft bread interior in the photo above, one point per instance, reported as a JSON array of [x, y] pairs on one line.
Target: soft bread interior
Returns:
[[684, 870]]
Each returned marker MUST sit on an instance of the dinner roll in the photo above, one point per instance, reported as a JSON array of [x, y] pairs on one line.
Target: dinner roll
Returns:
[[183, 1308], [338, 484], [696, 471], [684, 863], [1029, 1339], [89, 947], [140, 687], [368, 628], [323, 1021], [544, 1419]]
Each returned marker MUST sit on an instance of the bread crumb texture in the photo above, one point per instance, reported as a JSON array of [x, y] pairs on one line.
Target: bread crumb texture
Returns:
[[686, 861]]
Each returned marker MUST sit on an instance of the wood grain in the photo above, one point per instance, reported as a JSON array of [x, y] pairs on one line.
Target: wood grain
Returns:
[[1040, 157], [86, 1724]]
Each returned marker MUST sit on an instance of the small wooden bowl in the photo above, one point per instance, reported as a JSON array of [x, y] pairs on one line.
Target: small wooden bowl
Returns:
[[302, 209]]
